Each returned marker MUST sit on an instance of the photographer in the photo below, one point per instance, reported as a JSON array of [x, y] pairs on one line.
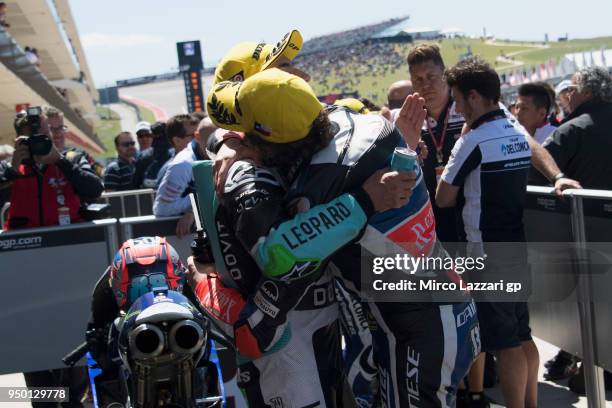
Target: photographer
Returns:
[[150, 161], [46, 187], [58, 131]]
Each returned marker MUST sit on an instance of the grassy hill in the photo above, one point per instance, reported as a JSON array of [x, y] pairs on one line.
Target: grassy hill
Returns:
[[107, 128], [373, 84]]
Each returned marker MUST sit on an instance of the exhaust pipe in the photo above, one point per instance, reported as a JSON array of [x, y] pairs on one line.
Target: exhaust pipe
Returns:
[[146, 341], [186, 337]]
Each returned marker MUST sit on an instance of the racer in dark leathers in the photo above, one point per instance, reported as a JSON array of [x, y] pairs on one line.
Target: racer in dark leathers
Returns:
[[285, 330], [422, 350]]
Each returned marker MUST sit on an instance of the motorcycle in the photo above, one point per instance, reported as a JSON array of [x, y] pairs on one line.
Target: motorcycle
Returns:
[[157, 354]]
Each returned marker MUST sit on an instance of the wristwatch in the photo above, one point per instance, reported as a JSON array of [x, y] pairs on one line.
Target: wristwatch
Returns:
[[558, 176]]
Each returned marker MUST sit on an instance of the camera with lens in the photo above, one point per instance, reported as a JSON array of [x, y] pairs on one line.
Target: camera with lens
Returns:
[[38, 143]]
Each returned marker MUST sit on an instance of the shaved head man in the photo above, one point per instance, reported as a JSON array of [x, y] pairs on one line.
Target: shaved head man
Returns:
[[398, 91]]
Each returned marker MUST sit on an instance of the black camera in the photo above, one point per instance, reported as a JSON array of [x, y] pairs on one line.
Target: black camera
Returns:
[[161, 144], [39, 143]]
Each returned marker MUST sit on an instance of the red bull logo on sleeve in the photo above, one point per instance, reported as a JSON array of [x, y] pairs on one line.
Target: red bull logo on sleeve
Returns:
[[417, 234]]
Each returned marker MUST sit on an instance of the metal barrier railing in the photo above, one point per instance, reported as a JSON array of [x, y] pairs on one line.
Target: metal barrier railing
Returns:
[[128, 203], [3, 213], [594, 380], [142, 201]]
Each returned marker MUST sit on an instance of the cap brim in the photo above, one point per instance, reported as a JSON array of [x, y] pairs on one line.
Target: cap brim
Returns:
[[563, 86], [289, 47]]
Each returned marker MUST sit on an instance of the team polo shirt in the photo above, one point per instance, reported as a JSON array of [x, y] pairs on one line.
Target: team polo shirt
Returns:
[[491, 164]]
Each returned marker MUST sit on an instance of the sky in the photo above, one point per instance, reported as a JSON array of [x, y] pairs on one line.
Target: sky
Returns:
[[131, 38]]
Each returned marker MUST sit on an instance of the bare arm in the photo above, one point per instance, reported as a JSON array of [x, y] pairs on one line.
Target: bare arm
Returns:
[[545, 164], [446, 195], [542, 160]]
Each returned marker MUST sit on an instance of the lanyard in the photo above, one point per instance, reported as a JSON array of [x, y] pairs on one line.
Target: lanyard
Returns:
[[439, 146]]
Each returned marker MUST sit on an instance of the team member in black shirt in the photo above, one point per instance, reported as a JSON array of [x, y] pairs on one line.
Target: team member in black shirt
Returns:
[[439, 131]]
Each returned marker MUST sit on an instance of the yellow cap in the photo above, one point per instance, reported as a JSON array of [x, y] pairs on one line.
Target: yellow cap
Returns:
[[275, 105], [248, 58], [289, 47], [242, 61], [353, 104], [223, 107]]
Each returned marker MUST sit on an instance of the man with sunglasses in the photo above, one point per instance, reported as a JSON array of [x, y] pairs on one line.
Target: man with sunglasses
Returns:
[[119, 174]]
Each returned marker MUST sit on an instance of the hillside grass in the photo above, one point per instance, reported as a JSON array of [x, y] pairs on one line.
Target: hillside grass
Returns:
[[558, 49], [107, 128]]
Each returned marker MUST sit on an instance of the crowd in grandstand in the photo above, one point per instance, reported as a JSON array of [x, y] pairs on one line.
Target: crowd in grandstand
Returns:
[[342, 39], [343, 69], [453, 117]]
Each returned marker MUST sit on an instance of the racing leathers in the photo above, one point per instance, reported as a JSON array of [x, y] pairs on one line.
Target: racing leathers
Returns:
[[287, 331], [422, 349]]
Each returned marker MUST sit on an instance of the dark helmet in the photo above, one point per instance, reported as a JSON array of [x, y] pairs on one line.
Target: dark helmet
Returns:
[[142, 264]]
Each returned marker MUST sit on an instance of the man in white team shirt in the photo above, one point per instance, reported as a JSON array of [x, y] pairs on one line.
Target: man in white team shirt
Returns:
[[533, 109], [489, 165]]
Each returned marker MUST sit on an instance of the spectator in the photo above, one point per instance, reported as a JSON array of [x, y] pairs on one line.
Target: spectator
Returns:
[[581, 146], [31, 56], [180, 131], [491, 213], [199, 116], [172, 197], [3, 10], [58, 131], [512, 108], [562, 90], [37, 55], [60, 183], [118, 175], [553, 112], [398, 91], [144, 135], [149, 163], [6, 151], [532, 110]]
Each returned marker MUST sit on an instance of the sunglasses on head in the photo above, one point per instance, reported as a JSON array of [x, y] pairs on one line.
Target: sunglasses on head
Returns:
[[127, 144]]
